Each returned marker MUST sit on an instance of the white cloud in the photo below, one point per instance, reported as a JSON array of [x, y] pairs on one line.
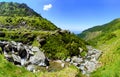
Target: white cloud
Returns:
[[47, 7]]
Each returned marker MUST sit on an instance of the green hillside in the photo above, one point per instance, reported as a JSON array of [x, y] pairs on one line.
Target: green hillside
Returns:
[[16, 9], [10, 70], [30, 28], [20, 23], [106, 38]]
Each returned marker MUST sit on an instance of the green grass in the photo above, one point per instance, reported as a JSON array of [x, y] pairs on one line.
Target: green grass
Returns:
[[110, 58], [8, 69], [106, 38]]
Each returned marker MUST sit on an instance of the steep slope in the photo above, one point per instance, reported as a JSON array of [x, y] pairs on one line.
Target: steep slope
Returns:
[[107, 39], [15, 9], [34, 30], [15, 15], [102, 30], [21, 24]]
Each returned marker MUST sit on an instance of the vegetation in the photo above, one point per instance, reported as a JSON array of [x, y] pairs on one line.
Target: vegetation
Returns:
[[26, 22], [56, 45], [20, 23], [10, 70], [61, 46], [108, 40], [16, 9]]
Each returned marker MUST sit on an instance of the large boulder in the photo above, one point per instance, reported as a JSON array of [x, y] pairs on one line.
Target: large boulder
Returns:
[[23, 55], [38, 59]]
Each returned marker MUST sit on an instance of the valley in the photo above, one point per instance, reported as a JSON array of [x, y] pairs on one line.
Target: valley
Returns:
[[31, 45]]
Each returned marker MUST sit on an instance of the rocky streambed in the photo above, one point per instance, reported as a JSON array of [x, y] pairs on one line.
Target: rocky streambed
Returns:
[[32, 57], [89, 63]]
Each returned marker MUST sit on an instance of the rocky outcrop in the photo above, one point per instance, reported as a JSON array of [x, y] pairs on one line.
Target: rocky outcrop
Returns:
[[32, 57], [23, 55], [87, 64]]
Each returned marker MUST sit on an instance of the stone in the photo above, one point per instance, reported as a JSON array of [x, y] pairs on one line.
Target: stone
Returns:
[[91, 66], [31, 67], [21, 50], [8, 48], [23, 55], [38, 59], [23, 62], [13, 43], [17, 59], [76, 59], [75, 64], [14, 48], [2, 45], [63, 65], [35, 49], [47, 62], [68, 60]]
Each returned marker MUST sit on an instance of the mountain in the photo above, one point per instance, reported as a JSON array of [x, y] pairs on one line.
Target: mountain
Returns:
[[13, 9], [106, 38], [15, 15], [21, 24], [33, 29]]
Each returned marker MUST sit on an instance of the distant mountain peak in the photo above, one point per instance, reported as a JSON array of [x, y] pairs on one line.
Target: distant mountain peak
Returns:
[[13, 8]]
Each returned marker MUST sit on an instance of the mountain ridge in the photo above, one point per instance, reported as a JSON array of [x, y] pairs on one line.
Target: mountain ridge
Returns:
[[106, 38], [11, 9]]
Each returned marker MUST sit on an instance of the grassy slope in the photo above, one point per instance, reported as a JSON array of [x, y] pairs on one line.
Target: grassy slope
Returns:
[[110, 58], [20, 23], [108, 40], [7, 69]]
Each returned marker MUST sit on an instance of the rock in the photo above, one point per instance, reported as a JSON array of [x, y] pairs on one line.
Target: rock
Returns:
[[24, 55], [68, 60], [2, 45], [58, 61], [47, 62], [90, 66], [23, 62], [75, 64], [17, 59], [35, 49], [76, 59], [13, 43], [38, 59], [63, 65], [22, 51], [31, 67], [14, 48], [8, 48]]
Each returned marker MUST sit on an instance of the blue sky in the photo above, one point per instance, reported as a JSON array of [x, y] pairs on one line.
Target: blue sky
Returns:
[[75, 15]]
